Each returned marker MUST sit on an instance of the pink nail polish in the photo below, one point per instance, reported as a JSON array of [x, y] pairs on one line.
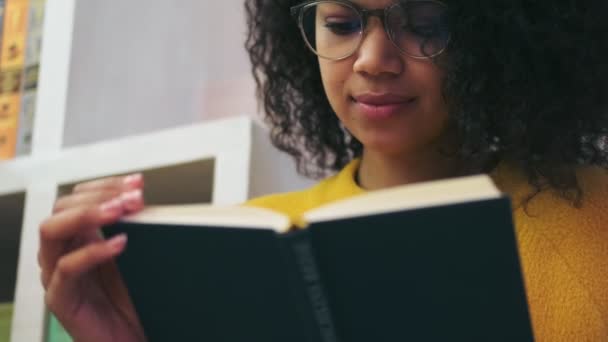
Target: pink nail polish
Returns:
[[117, 242], [133, 180], [133, 195], [131, 199]]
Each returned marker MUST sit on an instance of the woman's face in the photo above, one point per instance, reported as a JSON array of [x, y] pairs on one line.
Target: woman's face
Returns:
[[390, 102]]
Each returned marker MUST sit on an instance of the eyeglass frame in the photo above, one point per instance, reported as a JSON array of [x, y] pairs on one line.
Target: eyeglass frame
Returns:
[[297, 12]]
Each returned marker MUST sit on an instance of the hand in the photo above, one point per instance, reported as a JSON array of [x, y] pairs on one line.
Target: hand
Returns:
[[83, 287]]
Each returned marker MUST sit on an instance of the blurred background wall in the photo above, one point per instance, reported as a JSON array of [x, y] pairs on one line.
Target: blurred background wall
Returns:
[[141, 65]]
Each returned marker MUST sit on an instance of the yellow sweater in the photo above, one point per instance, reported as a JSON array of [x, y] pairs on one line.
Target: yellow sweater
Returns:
[[563, 250]]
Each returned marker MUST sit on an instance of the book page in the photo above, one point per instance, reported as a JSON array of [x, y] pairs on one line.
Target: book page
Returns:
[[407, 197], [210, 215]]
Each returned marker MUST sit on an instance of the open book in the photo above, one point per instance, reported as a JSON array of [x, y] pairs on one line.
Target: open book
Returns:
[[434, 261]]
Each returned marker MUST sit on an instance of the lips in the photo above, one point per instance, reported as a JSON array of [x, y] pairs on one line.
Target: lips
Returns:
[[383, 106]]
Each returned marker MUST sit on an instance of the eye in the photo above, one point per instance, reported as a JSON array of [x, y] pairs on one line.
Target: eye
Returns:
[[423, 26], [421, 18], [422, 30], [342, 26]]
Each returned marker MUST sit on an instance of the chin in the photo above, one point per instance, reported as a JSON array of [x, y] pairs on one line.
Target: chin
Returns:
[[391, 145], [397, 142]]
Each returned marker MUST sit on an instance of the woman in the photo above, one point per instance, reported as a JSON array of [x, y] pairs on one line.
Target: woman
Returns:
[[393, 93]]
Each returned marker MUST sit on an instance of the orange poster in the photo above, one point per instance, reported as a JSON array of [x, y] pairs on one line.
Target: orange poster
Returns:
[[14, 34], [12, 64], [9, 112]]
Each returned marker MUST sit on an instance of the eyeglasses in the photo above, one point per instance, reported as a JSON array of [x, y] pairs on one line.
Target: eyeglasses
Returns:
[[334, 29]]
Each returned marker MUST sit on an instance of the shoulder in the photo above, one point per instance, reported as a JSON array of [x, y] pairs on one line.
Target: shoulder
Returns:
[[592, 214], [550, 214], [548, 208], [594, 183], [551, 229]]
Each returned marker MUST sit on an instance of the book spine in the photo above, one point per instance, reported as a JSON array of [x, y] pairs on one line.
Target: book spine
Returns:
[[12, 58], [308, 280], [30, 77]]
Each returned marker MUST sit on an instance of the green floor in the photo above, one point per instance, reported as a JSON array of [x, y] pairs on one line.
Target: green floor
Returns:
[[55, 333], [6, 315]]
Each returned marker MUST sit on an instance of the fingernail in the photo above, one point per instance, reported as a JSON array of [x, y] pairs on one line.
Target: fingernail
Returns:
[[117, 242], [132, 198], [133, 179], [111, 205]]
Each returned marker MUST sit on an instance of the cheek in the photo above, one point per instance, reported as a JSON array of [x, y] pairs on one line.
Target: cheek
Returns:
[[334, 78], [435, 107], [431, 80]]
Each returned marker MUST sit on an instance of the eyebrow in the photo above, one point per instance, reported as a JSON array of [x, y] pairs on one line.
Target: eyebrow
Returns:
[[357, 3]]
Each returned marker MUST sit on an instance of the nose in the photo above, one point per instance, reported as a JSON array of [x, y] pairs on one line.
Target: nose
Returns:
[[377, 56]]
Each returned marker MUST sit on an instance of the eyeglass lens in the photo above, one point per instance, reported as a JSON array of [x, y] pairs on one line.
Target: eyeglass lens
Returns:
[[334, 30]]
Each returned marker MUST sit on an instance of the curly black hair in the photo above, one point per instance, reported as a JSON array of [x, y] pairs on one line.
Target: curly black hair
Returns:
[[527, 81]]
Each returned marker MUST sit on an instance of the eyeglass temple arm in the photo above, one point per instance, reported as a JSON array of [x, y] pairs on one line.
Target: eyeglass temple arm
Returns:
[[295, 10]]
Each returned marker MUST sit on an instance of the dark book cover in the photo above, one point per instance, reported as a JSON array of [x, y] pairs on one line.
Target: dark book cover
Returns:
[[444, 273], [448, 273], [209, 284]]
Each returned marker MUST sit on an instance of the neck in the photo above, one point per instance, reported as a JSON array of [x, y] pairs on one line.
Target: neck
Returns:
[[379, 171]]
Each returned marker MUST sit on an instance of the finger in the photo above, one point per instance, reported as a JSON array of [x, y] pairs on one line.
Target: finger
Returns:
[[82, 199], [71, 267], [68, 223], [57, 232], [60, 230], [132, 201], [47, 267], [133, 181]]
